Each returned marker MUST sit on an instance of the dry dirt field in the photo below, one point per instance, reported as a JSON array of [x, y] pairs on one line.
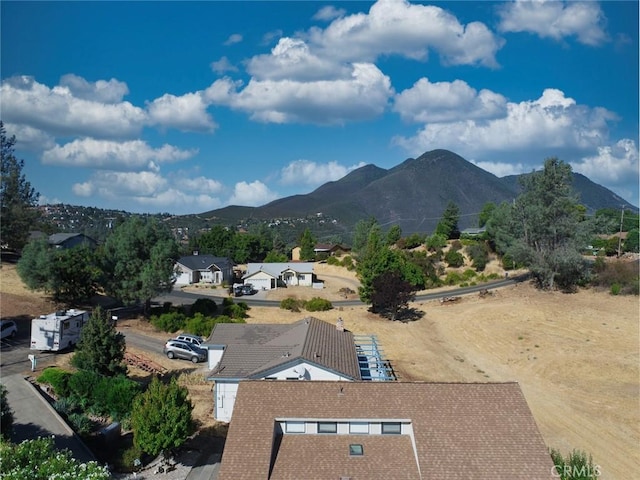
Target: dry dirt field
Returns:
[[576, 356]]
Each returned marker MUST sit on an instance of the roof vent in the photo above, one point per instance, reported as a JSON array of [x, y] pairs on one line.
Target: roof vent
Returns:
[[340, 324]]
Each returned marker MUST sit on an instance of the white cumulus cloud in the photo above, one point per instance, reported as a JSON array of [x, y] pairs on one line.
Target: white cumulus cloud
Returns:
[[612, 165], [112, 91], [552, 122], [306, 172], [329, 12], [411, 30], [364, 95], [106, 154], [555, 19], [186, 112], [58, 111], [223, 65], [251, 194], [447, 101]]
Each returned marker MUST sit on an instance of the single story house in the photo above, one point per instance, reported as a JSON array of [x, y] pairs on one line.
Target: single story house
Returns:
[[309, 349], [266, 276], [383, 430], [326, 248], [69, 240], [203, 269]]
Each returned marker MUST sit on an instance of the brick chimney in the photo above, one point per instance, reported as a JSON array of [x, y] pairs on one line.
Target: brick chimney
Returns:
[[340, 324]]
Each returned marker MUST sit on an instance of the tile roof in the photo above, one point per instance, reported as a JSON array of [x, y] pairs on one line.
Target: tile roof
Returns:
[[252, 350], [462, 431]]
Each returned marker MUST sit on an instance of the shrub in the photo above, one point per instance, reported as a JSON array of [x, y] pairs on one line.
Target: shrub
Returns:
[[333, 261], [200, 325], [169, 322], [454, 258], [348, 263], [57, 378], [468, 274], [237, 311], [205, 306], [291, 303], [456, 245], [318, 304], [84, 386], [453, 278], [80, 423], [65, 406], [128, 458], [624, 274], [436, 242], [479, 256], [508, 262], [615, 289]]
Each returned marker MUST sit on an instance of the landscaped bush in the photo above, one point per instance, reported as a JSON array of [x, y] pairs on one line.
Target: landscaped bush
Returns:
[[291, 303], [57, 378], [83, 386], [112, 396], [333, 261], [169, 322], [318, 304], [80, 423]]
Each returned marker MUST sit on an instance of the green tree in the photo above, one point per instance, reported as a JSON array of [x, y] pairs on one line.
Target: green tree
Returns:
[[379, 260], [361, 235], [69, 275], [547, 220], [391, 295], [137, 261], [275, 257], [101, 347], [18, 198], [34, 266], [38, 459], [307, 245], [576, 466], [219, 241], [485, 213], [6, 414], [448, 224], [161, 417], [393, 235], [632, 242]]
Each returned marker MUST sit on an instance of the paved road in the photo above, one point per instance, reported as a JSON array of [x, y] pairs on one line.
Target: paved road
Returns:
[[179, 297]]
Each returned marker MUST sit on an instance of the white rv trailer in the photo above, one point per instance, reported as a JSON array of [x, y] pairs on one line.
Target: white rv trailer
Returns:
[[58, 330]]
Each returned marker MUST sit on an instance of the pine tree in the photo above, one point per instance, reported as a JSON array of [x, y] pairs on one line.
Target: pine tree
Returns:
[[18, 198], [101, 347]]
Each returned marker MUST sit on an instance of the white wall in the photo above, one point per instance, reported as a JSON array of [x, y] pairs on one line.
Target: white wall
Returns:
[[214, 356], [260, 281], [224, 399]]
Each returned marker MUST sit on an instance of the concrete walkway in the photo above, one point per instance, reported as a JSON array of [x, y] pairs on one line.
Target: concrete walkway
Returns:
[[34, 417]]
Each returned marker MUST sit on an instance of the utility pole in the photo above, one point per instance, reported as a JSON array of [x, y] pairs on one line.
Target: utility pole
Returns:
[[620, 233]]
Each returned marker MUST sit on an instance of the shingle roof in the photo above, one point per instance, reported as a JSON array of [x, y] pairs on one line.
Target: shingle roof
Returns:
[[204, 262], [252, 350], [276, 269], [462, 431]]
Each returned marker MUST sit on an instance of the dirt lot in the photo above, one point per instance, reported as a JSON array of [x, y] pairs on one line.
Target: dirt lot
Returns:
[[576, 356]]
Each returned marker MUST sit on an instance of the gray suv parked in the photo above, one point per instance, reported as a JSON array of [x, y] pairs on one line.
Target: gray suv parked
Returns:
[[179, 349]]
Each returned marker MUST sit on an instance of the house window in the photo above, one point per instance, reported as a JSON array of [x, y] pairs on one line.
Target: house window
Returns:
[[327, 427], [391, 428], [294, 427], [359, 427], [356, 450]]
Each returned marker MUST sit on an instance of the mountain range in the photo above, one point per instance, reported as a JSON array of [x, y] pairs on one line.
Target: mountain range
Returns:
[[412, 195]]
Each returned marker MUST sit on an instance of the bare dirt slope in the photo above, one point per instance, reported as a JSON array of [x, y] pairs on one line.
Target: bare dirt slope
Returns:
[[576, 356]]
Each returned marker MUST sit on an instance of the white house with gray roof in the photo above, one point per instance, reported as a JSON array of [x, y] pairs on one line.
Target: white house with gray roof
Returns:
[[267, 276], [203, 269], [309, 349]]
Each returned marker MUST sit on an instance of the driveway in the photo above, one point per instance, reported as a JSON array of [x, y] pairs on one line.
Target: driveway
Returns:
[[34, 417]]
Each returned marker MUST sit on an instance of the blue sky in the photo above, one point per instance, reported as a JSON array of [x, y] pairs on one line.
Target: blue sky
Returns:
[[184, 107]]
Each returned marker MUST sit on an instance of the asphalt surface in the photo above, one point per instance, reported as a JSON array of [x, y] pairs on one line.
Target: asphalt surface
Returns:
[[34, 417]]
